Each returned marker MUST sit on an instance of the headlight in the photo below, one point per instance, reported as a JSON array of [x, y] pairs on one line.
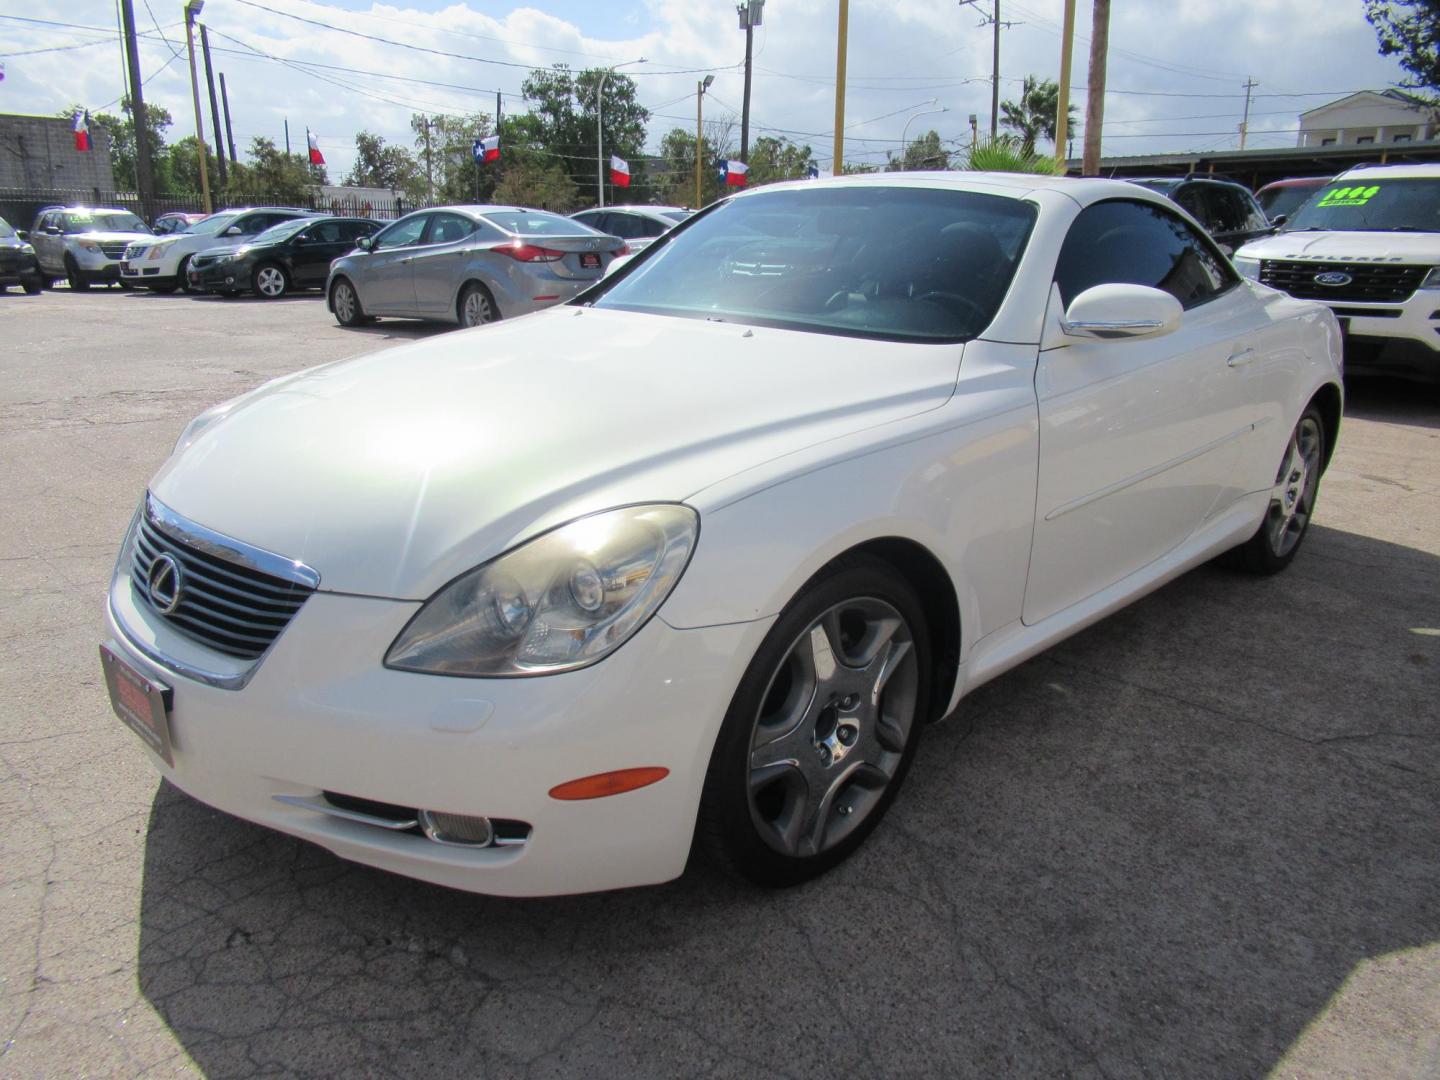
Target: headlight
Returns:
[[561, 601], [26, 249], [1248, 267], [90, 246], [155, 253], [229, 256], [1432, 279]]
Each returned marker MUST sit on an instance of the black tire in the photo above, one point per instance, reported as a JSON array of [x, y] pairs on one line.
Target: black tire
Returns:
[[73, 277], [32, 286], [476, 306], [771, 821], [182, 277], [347, 313], [270, 281], [1287, 520]]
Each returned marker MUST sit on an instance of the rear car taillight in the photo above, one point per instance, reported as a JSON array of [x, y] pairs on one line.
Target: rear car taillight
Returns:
[[529, 252]]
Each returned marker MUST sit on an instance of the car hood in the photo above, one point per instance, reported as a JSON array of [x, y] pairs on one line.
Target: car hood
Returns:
[[1347, 246], [105, 237], [392, 473]]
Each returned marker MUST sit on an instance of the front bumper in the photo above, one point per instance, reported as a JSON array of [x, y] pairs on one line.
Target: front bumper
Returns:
[[99, 270], [1392, 339], [20, 271], [319, 713], [219, 277]]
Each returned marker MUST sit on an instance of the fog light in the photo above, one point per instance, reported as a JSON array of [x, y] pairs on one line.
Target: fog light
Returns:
[[458, 830]]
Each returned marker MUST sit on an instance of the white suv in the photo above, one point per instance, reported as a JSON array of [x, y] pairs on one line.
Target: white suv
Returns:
[[1368, 245], [160, 263]]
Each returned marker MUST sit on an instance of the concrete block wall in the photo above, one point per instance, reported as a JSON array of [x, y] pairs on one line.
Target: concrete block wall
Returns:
[[38, 153]]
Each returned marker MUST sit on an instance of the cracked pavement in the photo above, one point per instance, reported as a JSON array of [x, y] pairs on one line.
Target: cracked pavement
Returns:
[[1200, 839]]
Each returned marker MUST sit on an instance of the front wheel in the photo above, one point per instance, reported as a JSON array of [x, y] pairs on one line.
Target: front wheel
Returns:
[[269, 281], [32, 285], [1292, 500], [345, 302], [822, 728], [74, 277], [182, 277]]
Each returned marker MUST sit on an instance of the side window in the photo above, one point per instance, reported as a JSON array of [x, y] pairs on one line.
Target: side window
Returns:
[[327, 232], [1124, 242], [351, 231], [448, 228], [591, 218], [402, 233], [625, 226], [1192, 199], [651, 227], [1227, 209]]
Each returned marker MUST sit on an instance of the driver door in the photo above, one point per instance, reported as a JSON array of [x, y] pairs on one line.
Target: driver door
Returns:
[[385, 278]]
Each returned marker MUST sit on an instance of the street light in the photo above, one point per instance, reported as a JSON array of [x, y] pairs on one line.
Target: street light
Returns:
[[751, 13], [700, 88], [600, 129], [192, 12], [905, 131]]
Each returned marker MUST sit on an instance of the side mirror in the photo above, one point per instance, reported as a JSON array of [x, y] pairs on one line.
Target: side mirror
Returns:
[[233, 230], [21, 234], [1121, 311], [365, 243], [1278, 220]]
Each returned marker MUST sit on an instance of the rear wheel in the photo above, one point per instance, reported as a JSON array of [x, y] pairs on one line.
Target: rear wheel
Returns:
[[270, 281], [476, 306], [345, 302], [73, 276], [1292, 500], [822, 728]]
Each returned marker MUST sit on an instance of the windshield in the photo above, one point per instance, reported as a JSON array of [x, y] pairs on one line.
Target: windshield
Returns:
[[1379, 206], [83, 221], [5, 229], [211, 225], [537, 223], [896, 263], [278, 233]]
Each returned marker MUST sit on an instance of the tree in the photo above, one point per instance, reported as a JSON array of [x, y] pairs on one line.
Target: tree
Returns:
[[121, 130], [1033, 116], [529, 182], [561, 121], [1410, 30], [675, 182], [444, 151], [178, 169], [1006, 153], [269, 174], [379, 165], [774, 159], [924, 152]]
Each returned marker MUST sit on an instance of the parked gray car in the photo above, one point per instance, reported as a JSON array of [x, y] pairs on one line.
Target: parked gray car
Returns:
[[468, 265], [638, 226], [84, 245]]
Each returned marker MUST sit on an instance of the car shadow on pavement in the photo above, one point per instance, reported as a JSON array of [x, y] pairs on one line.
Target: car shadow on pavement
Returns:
[[1162, 848], [1396, 401]]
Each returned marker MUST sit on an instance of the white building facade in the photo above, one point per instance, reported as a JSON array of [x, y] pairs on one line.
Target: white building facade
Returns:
[[1381, 118]]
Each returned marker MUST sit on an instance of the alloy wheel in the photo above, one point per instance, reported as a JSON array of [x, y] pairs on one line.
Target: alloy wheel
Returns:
[[344, 302], [270, 281], [477, 309], [832, 728], [1293, 497]]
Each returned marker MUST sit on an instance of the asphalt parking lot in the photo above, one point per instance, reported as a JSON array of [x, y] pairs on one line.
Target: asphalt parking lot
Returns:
[[1200, 839]]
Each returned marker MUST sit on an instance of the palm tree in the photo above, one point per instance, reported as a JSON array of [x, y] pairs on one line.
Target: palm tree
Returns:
[[1033, 116]]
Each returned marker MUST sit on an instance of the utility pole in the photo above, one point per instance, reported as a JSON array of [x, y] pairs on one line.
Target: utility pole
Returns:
[[1095, 105], [700, 88], [1250, 84], [229, 135], [192, 11], [429, 169], [838, 165], [214, 105], [600, 129], [1062, 99], [287, 136], [751, 13], [994, 22], [144, 179]]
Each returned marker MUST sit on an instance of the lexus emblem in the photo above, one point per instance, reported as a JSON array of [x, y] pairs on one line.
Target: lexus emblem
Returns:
[[164, 584], [1333, 278]]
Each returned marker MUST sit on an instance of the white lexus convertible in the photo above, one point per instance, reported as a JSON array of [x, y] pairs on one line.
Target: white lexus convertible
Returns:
[[693, 559]]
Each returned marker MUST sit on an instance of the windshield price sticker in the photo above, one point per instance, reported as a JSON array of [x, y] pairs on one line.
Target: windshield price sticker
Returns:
[[1349, 196]]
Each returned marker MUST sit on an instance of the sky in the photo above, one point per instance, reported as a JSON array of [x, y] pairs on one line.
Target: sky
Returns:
[[1174, 79]]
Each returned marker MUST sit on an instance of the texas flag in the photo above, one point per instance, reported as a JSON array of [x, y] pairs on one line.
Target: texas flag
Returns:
[[619, 171], [82, 131], [316, 158], [734, 173], [486, 150]]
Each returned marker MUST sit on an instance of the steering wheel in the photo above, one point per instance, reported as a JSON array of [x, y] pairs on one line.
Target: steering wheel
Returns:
[[954, 300]]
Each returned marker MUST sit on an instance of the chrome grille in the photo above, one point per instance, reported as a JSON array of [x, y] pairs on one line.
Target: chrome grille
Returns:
[[231, 607], [1375, 282], [114, 249], [134, 251]]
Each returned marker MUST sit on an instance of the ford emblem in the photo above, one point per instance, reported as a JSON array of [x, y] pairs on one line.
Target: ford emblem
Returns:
[[1333, 278]]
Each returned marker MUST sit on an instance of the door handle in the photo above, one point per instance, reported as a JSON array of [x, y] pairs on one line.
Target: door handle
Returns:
[[1241, 358]]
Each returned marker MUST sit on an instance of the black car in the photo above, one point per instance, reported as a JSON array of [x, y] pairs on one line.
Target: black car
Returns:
[[292, 255], [1228, 211], [17, 261]]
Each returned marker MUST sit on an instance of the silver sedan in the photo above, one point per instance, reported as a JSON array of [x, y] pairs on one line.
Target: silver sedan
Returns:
[[468, 265]]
